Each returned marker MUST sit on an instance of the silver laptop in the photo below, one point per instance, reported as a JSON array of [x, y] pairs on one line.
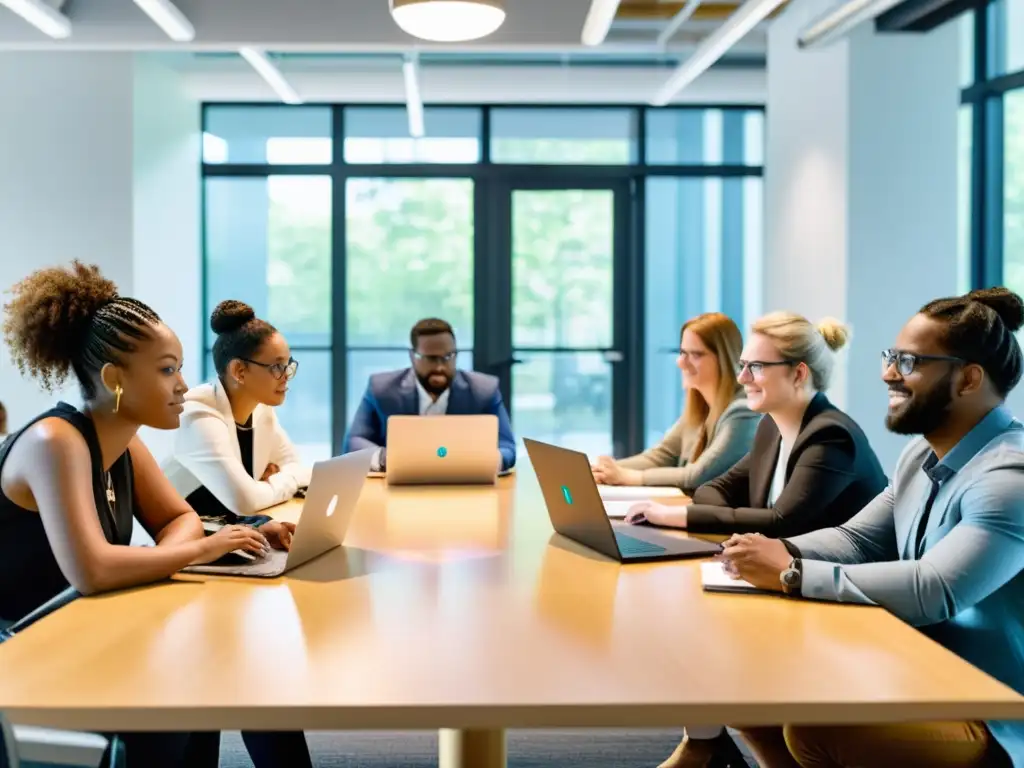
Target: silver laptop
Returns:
[[445, 450], [326, 513], [576, 512]]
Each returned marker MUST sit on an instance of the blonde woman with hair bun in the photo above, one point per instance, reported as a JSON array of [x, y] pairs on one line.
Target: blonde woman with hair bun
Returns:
[[810, 466]]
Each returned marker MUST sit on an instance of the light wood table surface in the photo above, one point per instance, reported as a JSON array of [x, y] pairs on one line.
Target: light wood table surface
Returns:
[[459, 609]]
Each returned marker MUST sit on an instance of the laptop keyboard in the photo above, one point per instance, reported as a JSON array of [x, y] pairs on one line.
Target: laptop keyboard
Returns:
[[629, 546]]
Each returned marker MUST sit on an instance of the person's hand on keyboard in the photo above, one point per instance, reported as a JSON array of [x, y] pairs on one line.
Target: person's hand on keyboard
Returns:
[[278, 533], [646, 512]]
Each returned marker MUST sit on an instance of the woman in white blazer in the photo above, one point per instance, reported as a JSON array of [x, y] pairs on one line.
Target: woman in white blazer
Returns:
[[231, 457]]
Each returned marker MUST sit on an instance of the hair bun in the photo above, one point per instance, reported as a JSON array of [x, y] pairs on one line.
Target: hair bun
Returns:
[[835, 333], [1004, 302], [230, 315]]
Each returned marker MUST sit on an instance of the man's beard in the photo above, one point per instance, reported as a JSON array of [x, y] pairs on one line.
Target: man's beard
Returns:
[[435, 389], [924, 413]]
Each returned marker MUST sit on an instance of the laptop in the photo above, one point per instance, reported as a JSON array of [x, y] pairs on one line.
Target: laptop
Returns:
[[442, 450], [327, 511], [577, 512]]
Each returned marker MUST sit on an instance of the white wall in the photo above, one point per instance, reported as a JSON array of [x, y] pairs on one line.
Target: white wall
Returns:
[[99, 161], [65, 178], [861, 190], [167, 250]]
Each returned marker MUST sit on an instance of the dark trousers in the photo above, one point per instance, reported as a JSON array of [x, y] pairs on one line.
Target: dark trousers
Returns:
[[267, 749]]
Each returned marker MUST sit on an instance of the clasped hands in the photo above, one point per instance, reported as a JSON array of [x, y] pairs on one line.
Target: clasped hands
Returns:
[[756, 559]]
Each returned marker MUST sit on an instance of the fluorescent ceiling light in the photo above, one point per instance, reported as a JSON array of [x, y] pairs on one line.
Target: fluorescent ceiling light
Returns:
[[413, 101], [169, 18], [43, 17], [838, 21], [266, 69], [448, 21], [599, 21], [684, 15], [714, 46]]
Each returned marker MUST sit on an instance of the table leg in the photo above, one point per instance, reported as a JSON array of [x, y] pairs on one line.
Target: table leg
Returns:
[[471, 748]]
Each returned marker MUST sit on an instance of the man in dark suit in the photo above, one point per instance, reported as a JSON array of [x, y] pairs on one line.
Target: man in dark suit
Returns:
[[431, 387]]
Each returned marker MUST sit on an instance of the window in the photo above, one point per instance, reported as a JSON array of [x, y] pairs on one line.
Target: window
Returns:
[[1005, 53], [267, 135], [705, 137], [268, 243], [381, 135], [1013, 191], [965, 138], [703, 241], [564, 136]]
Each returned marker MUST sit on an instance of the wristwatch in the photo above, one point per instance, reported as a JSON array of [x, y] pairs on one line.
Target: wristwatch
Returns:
[[791, 578]]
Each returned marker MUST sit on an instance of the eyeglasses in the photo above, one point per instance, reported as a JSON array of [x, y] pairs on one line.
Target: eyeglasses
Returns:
[[906, 362], [278, 370], [756, 367], [434, 359]]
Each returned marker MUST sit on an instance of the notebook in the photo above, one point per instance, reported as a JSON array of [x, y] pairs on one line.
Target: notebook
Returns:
[[636, 492], [714, 578]]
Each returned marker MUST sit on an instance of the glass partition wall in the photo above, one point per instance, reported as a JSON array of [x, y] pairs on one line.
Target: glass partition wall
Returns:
[[566, 245]]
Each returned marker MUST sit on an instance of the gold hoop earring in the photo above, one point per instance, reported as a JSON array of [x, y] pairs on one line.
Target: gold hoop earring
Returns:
[[117, 398]]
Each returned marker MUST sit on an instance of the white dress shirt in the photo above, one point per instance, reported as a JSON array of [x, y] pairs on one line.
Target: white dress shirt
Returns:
[[428, 407]]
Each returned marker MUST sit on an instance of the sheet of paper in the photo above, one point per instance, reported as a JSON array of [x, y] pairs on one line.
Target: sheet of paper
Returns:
[[714, 576], [617, 508], [636, 492]]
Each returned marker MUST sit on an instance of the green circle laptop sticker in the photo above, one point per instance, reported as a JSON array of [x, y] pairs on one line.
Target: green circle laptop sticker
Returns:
[[442, 452]]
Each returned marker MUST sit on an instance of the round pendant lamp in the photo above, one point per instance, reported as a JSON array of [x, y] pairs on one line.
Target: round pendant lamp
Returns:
[[448, 21]]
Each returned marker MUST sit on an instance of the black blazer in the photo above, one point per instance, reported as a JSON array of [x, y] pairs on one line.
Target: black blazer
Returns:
[[832, 473]]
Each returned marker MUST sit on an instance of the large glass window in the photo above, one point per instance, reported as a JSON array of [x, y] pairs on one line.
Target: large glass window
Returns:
[[563, 136], [267, 135], [381, 135], [965, 139], [703, 240], [1013, 191], [268, 243], [705, 137]]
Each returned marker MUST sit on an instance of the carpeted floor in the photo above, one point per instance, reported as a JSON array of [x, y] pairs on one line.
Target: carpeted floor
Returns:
[[526, 749]]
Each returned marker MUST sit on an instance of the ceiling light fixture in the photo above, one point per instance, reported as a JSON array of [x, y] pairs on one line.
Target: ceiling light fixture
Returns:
[[43, 17], [265, 67], [413, 101], [599, 21], [684, 15], [714, 46], [169, 18], [448, 21], [838, 21]]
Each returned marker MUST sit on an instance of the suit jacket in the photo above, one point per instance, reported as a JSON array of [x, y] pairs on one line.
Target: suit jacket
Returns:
[[206, 454], [832, 473], [394, 394]]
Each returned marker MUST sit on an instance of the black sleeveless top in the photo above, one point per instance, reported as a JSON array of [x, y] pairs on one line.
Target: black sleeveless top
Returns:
[[29, 574]]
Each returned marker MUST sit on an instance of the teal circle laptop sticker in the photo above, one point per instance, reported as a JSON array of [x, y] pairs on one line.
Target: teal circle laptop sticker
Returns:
[[442, 452], [566, 494]]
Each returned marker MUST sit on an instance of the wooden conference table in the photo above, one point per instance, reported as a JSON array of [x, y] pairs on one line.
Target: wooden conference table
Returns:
[[458, 609]]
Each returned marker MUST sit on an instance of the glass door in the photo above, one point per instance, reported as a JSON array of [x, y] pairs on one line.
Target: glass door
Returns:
[[560, 346]]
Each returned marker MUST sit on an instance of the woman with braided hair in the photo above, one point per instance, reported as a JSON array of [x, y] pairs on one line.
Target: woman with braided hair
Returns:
[[72, 480]]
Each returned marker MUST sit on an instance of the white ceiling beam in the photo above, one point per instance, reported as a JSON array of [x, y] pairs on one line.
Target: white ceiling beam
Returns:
[[839, 20], [271, 74], [714, 46], [169, 18], [43, 17], [599, 21], [682, 16], [413, 100]]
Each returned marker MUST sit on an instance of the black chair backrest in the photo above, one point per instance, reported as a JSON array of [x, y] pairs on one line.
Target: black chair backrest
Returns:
[[51, 605]]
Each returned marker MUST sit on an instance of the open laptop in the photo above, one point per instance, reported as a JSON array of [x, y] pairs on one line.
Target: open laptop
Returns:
[[445, 450], [326, 513], [577, 512]]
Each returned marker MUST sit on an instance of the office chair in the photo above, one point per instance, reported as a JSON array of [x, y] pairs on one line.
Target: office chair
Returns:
[[44, 745]]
